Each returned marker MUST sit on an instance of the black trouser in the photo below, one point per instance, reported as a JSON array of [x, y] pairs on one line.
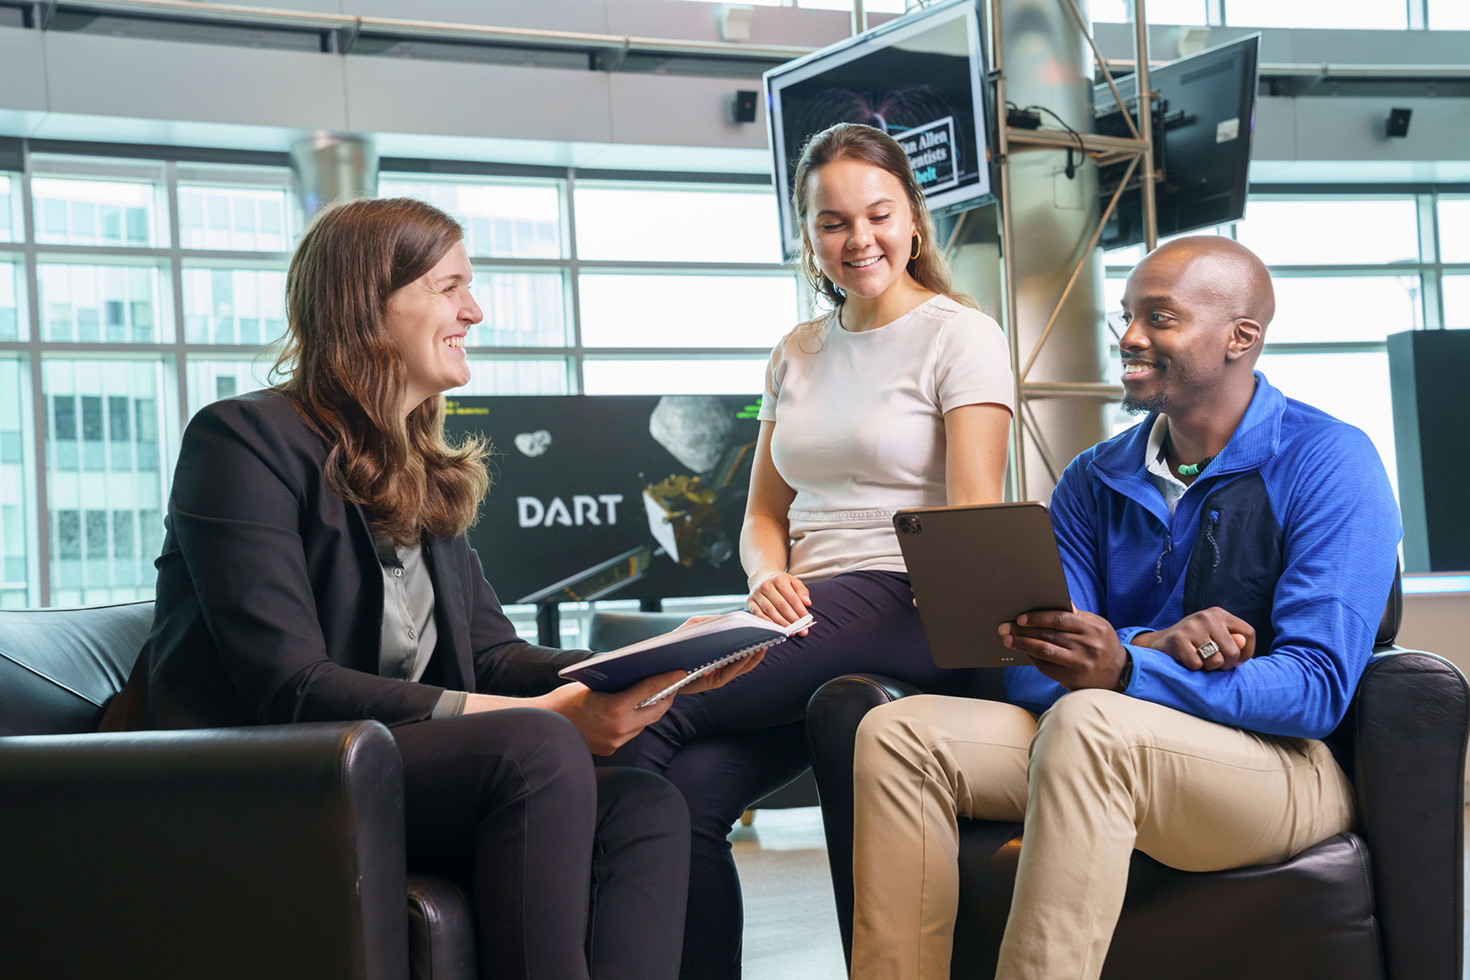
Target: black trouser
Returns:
[[727, 748], [574, 872]]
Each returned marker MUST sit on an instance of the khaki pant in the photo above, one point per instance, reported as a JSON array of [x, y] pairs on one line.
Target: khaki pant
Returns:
[[1099, 775]]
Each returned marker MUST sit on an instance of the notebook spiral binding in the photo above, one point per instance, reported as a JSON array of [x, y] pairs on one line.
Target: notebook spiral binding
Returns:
[[694, 675]]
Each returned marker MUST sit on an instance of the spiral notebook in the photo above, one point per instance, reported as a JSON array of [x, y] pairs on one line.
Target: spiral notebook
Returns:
[[698, 649]]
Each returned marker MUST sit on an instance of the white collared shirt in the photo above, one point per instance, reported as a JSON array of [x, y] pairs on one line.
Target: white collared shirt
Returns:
[[1157, 462]]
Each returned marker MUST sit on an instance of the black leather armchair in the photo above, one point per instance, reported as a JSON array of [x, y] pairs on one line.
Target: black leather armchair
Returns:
[[222, 853], [1382, 901]]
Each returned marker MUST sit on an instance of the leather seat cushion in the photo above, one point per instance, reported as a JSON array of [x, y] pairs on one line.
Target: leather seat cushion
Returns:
[[1312, 916]]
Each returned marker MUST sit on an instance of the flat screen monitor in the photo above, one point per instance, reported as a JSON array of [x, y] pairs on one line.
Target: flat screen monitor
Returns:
[[1203, 124], [920, 78], [616, 496]]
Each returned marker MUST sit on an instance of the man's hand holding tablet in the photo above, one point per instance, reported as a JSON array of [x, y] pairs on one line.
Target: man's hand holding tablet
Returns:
[[1076, 649]]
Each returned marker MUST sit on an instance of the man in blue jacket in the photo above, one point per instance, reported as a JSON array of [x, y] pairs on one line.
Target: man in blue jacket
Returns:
[[1229, 560]]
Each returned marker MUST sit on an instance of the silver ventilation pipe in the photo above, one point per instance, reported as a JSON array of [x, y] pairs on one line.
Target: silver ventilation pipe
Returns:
[[327, 167]]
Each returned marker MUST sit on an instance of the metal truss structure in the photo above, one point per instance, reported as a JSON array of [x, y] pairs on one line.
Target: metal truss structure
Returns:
[[1103, 150]]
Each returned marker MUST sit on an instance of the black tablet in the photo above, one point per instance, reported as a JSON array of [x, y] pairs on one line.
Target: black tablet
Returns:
[[973, 568]]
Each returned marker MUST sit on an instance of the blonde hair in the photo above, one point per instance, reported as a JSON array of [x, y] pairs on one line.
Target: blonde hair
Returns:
[[854, 141]]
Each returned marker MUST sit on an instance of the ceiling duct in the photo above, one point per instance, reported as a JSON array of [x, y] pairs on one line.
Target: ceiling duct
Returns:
[[327, 167]]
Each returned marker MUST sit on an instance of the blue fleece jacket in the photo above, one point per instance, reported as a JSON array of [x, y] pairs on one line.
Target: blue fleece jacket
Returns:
[[1293, 527]]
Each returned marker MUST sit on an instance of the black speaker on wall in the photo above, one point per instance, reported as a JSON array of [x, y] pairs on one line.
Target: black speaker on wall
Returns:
[[1429, 374]]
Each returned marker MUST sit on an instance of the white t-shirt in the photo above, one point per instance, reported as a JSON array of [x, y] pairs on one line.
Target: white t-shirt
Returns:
[[860, 426]]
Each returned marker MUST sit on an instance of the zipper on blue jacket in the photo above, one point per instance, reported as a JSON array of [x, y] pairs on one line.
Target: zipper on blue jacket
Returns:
[[1213, 523], [1159, 565]]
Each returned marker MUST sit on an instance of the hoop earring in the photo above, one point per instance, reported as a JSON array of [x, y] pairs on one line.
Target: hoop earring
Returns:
[[812, 272], [918, 246]]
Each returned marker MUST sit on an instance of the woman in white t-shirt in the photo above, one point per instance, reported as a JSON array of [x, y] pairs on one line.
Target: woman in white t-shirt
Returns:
[[899, 397]]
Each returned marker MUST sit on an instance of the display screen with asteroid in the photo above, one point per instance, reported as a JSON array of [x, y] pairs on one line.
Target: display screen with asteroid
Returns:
[[918, 82], [616, 497]]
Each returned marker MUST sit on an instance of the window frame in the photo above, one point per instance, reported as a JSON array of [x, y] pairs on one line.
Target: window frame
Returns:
[[170, 168]]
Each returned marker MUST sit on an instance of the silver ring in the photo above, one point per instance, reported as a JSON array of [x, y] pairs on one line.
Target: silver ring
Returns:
[[1208, 650]]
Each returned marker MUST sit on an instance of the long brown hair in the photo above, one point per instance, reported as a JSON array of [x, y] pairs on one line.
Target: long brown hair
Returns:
[[347, 377], [854, 141]]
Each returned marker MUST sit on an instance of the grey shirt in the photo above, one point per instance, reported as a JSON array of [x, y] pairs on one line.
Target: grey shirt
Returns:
[[409, 630]]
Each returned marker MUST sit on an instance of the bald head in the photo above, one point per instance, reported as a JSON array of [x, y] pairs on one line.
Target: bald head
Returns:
[[1196, 311], [1217, 271]]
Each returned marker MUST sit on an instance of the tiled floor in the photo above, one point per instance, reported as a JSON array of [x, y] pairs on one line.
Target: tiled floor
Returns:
[[790, 923]]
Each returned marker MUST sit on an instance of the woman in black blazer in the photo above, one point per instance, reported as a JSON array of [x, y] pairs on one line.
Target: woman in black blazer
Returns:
[[315, 568]]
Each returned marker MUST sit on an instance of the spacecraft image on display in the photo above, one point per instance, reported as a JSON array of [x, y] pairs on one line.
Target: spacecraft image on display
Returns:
[[637, 497]]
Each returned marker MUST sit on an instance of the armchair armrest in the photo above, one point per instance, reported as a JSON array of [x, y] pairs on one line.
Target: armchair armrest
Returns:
[[832, 718], [1411, 716], [222, 853]]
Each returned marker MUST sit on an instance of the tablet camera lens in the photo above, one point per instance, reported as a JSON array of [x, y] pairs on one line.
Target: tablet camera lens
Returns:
[[910, 524]]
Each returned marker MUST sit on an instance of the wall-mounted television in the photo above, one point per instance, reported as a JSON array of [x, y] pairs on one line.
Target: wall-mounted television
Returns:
[[920, 78], [611, 496], [1203, 123]]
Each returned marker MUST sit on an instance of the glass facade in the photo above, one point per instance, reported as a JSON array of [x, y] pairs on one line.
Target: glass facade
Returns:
[[1348, 271], [235, 219], [15, 536], [80, 211], [106, 478], [114, 303], [677, 224], [603, 287], [9, 207], [12, 318], [136, 333], [501, 218], [630, 310], [233, 306]]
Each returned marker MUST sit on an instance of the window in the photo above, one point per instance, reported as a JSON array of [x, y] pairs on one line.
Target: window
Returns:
[[681, 224], [1454, 229], [1348, 271], [1331, 309], [135, 335], [685, 376], [1158, 11], [501, 218], [103, 461], [1335, 231], [517, 376], [1340, 14], [15, 512], [621, 310], [1449, 15], [209, 380], [12, 320], [10, 227], [1456, 291], [522, 309], [670, 271], [226, 305], [112, 303], [237, 219], [79, 211]]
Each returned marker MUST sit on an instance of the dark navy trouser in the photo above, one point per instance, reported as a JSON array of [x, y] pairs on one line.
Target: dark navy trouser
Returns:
[[574, 872], [725, 749]]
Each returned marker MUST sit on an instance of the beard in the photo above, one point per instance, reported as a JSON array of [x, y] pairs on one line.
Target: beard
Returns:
[[1143, 406], [1146, 404]]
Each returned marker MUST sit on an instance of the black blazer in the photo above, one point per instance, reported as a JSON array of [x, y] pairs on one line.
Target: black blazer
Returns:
[[270, 594]]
